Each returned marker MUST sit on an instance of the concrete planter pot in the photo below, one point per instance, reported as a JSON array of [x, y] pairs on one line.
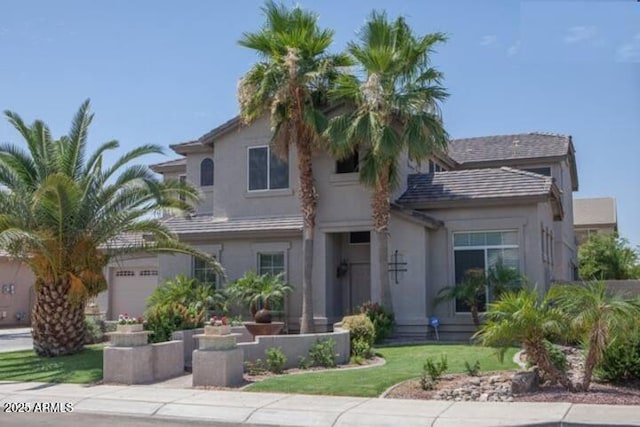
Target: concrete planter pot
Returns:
[[137, 327], [217, 330]]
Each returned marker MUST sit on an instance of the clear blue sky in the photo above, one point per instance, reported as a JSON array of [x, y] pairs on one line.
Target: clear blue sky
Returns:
[[166, 71]]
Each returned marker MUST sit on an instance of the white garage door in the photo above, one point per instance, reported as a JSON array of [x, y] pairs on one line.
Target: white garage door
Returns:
[[130, 289]]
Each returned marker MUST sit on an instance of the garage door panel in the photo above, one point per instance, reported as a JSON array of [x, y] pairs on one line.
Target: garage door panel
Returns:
[[130, 289]]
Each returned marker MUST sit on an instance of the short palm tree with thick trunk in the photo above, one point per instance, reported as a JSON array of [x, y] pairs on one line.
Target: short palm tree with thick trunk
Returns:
[[393, 107], [596, 315], [290, 83], [61, 212]]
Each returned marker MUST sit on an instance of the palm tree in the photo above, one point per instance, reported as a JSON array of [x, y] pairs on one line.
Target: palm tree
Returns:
[[522, 318], [393, 108], [259, 291], [599, 317], [61, 212], [290, 83], [472, 290]]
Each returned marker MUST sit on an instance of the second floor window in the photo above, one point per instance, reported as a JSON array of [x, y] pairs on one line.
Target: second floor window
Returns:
[[266, 171], [206, 173], [348, 165]]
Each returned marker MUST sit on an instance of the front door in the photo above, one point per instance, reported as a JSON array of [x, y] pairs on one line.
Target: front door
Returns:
[[359, 284]]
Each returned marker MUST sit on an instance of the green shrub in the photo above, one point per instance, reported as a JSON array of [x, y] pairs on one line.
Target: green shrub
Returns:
[[255, 368], [361, 334], [303, 362], [381, 318], [434, 370], [275, 360], [190, 293], [472, 370], [94, 331], [323, 353], [621, 361], [164, 320], [558, 358]]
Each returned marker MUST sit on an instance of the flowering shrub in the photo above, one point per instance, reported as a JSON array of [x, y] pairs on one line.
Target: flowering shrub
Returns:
[[124, 319], [218, 321], [381, 318]]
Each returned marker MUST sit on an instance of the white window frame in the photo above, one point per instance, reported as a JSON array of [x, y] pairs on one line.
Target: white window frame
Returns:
[[486, 257], [262, 190], [216, 284]]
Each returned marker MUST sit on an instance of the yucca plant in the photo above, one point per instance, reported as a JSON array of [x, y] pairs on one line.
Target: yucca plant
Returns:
[[62, 212]]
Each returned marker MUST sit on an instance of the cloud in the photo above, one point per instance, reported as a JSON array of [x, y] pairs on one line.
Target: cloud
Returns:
[[630, 51], [488, 40], [580, 33], [514, 49]]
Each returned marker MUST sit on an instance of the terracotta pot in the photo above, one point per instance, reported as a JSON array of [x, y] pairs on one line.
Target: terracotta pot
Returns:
[[263, 316]]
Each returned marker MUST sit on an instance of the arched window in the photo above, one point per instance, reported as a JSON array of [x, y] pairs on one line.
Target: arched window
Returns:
[[206, 172]]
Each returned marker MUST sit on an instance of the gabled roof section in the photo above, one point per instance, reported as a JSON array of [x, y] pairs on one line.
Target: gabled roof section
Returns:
[[176, 165], [445, 189], [508, 147], [207, 224], [505, 150], [207, 139], [416, 217], [595, 211]]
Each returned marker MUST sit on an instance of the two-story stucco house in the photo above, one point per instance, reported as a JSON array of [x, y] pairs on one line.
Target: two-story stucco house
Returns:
[[492, 198]]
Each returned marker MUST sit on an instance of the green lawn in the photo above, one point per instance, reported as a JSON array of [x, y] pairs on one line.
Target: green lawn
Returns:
[[82, 368], [402, 363]]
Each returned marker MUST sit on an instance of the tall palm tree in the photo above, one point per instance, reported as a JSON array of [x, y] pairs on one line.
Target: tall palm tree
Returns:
[[290, 83], [61, 211], [393, 108], [522, 318], [598, 316]]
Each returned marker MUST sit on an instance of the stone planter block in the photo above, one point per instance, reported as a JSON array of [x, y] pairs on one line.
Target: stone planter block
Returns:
[[128, 339], [217, 330], [128, 365], [130, 328], [208, 342], [217, 368], [168, 360]]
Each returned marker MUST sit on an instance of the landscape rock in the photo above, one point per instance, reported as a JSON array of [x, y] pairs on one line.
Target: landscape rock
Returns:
[[525, 382]]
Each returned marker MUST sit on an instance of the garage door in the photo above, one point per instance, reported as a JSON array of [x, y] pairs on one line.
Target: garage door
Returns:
[[130, 289]]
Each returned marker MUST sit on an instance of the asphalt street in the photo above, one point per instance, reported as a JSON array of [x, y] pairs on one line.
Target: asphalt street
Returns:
[[15, 339]]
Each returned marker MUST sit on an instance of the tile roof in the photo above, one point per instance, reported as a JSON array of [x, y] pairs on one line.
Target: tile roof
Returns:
[[475, 184], [600, 210], [125, 240], [169, 164], [508, 147], [210, 224]]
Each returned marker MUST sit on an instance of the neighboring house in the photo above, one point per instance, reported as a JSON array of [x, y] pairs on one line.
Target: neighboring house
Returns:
[[16, 292], [493, 198], [594, 216]]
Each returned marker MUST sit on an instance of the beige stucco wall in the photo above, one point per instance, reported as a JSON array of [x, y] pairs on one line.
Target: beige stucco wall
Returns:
[[20, 276], [239, 255], [525, 219]]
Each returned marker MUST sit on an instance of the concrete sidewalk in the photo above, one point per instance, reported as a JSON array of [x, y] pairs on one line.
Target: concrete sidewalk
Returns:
[[234, 408]]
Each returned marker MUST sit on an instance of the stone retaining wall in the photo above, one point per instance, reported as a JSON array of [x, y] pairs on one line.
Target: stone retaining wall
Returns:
[[294, 346], [143, 364], [190, 343]]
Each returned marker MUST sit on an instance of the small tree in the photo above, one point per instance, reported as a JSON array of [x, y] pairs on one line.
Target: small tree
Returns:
[[259, 291], [597, 316], [608, 257], [522, 318], [471, 290]]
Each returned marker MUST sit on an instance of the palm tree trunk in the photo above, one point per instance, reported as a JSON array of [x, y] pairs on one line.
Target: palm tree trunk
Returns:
[[58, 324], [308, 206], [591, 360], [475, 316], [380, 215], [542, 358]]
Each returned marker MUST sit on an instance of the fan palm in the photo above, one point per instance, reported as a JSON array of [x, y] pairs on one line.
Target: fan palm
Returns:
[[290, 83], [259, 291], [599, 317], [521, 318], [62, 211], [472, 290], [392, 108]]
